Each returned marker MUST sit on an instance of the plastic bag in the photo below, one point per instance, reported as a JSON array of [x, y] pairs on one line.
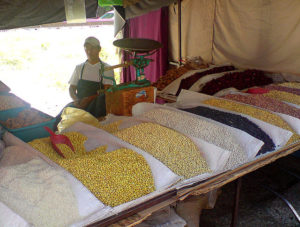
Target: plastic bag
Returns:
[[72, 115]]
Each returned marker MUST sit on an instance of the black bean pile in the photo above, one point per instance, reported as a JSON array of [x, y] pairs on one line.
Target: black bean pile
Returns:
[[238, 80], [236, 121], [187, 83]]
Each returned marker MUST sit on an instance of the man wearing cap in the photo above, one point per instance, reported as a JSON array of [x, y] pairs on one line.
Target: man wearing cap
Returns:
[[87, 77]]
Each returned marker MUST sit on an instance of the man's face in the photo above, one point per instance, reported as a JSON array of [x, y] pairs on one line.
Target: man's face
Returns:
[[92, 52]]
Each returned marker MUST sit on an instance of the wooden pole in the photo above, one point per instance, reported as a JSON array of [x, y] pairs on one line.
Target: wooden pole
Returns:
[[179, 32]]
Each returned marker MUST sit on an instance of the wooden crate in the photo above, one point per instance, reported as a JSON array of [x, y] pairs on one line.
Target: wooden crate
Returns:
[[121, 102]]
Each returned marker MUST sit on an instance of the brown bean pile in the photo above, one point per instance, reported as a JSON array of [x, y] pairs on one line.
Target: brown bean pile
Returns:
[[282, 88], [25, 118], [10, 101], [266, 103], [171, 75]]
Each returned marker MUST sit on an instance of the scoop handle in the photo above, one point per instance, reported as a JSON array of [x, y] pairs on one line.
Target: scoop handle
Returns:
[[49, 130]]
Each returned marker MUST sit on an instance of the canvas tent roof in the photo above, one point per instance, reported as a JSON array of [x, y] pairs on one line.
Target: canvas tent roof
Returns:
[[23, 13]]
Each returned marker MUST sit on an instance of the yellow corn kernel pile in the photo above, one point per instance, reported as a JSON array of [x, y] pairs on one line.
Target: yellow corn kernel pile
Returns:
[[291, 84], [115, 177], [9, 102], [77, 139], [283, 96], [112, 127], [254, 112], [175, 150]]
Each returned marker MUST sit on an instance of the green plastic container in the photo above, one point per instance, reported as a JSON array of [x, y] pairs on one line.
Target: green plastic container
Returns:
[[30, 132]]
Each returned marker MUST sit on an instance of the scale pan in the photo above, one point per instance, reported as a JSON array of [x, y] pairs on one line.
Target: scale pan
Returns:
[[137, 45]]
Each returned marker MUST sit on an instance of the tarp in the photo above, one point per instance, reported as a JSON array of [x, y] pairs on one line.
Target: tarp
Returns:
[[22, 13], [260, 34]]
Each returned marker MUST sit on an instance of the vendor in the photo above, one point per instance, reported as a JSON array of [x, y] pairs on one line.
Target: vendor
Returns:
[[87, 77], [87, 80]]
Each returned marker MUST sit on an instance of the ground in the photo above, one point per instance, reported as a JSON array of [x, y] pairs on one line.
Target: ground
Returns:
[[258, 206]]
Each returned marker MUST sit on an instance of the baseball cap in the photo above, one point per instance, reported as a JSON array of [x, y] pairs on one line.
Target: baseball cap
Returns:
[[92, 41]]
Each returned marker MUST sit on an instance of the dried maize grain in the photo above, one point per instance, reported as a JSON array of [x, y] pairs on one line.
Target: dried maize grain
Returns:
[[283, 96], [112, 127], [173, 149], [200, 128], [115, 177], [9, 102], [291, 84], [254, 112], [77, 139]]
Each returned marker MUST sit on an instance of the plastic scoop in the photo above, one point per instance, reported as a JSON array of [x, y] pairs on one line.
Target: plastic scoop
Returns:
[[59, 139]]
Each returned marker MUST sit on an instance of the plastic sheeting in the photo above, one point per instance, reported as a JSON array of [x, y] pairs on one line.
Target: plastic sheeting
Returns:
[[22, 13], [259, 34]]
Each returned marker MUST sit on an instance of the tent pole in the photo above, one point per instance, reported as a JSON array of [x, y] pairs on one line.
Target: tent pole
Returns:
[[179, 32]]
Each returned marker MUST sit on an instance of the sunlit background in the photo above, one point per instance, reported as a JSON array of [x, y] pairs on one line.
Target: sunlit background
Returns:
[[37, 63]]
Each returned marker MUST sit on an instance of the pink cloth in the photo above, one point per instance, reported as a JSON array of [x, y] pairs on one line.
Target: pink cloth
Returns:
[[153, 25]]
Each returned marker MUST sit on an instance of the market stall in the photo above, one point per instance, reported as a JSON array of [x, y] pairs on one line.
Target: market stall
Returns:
[[129, 167]]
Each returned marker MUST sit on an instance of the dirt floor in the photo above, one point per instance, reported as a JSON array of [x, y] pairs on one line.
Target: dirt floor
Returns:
[[258, 206]]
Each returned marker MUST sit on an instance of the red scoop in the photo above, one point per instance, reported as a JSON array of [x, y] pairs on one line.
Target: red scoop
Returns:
[[258, 90], [59, 139]]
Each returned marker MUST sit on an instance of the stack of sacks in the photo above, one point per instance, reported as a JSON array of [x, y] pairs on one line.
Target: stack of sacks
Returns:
[[241, 145], [275, 122], [40, 192], [258, 113], [114, 172]]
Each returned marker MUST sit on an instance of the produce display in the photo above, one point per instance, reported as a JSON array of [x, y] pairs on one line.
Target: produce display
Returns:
[[114, 177], [260, 114], [283, 96], [112, 127], [10, 101], [4, 87], [25, 118], [202, 129], [238, 80], [266, 103], [44, 146], [282, 88], [187, 83], [171, 75], [39, 193], [173, 149], [236, 121], [290, 84]]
